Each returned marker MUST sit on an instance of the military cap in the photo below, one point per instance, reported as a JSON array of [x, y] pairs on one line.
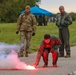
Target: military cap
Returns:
[[27, 7], [61, 7]]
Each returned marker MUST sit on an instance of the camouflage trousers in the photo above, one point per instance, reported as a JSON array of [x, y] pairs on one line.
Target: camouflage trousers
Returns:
[[25, 38]]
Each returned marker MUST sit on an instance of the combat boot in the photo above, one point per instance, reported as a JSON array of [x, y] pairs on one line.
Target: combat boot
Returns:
[[60, 55], [26, 54], [67, 55], [54, 65], [21, 54], [45, 65]]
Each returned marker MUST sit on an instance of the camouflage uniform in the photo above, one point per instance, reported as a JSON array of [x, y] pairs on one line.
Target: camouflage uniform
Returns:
[[44, 51], [63, 21], [27, 26]]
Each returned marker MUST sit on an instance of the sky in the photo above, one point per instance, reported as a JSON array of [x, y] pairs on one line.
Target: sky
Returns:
[[53, 5]]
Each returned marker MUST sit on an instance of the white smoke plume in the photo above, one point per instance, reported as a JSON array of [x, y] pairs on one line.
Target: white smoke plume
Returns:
[[9, 57]]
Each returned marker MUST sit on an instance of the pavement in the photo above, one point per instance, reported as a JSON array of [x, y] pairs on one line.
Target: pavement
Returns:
[[65, 66]]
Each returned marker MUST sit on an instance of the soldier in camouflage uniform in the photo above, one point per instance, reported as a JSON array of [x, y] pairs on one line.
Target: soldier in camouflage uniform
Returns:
[[63, 21], [27, 28], [48, 44]]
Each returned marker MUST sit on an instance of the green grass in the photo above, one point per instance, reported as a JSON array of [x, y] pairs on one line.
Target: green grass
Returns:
[[8, 35]]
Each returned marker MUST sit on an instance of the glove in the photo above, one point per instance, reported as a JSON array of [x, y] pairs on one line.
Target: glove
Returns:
[[35, 65], [17, 32], [33, 34]]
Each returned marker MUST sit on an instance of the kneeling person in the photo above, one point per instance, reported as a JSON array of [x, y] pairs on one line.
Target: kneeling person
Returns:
[[49, 44]]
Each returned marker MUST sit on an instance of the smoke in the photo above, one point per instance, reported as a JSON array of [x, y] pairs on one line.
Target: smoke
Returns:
[[8, 47], [9, 57]]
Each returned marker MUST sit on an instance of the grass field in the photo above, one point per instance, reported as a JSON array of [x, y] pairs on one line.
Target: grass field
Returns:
[[8, 35]]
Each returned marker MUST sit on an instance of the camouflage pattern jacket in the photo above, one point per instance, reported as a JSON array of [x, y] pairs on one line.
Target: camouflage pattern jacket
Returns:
[[63, 20], [26, 22]]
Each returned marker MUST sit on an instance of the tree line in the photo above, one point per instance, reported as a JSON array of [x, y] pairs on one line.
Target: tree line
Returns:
[[10, 9]]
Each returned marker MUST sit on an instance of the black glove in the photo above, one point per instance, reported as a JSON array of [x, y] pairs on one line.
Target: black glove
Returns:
[[17, 32], [33, 34]]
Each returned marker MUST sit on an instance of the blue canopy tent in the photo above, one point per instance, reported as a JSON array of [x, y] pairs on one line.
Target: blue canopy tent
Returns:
[[47, 13], [38, 11]]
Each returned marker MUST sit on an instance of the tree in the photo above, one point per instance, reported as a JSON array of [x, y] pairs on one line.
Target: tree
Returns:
[[73, 16], [10, 9]]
